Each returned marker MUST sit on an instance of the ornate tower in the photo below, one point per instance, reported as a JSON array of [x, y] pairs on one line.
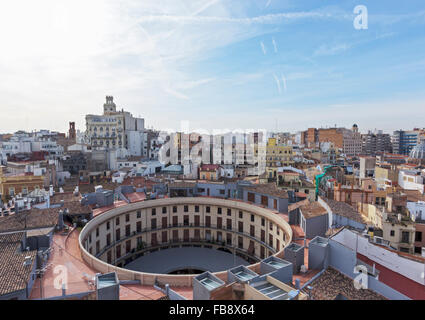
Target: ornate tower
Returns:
[[109, 106], [72, 135]]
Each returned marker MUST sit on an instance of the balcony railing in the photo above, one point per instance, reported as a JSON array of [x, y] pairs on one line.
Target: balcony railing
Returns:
[[182, 225], [190, 241]]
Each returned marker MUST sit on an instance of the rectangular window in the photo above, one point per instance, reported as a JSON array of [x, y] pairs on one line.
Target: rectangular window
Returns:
[[252, 218], [153, 211], [118, 251], [164, 222], [139, 226], [164, 209], [208, 221], [196, 208], [97, 247], [127, 230], [418, 236], [128, 246], [229, 224], [219, 222], [117, 234], [108, 239], [197, 221], [252, 231], [175, 235], [264, 201], [251, 197], [97, 232], [186, 220], [240, 226], [139, 214], [219, 210], [263, 222], [175, 221], [127, 218], [186, 208], [208, 209], [219, 237], [229, 239], [153, 224], [154, 241], [229, 212], [263, 235], [208, 235], [240, 242], [240, 215], [117, 221], [174, 209], [164, 236], [108, 225], [186, 234]]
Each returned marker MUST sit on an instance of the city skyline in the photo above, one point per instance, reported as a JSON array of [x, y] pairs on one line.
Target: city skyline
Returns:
[[265, 63]]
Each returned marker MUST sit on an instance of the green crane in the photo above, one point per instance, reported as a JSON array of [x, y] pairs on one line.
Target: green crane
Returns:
[[319, 177]]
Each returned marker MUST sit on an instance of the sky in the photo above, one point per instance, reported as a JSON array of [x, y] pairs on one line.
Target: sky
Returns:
[[283, 65]]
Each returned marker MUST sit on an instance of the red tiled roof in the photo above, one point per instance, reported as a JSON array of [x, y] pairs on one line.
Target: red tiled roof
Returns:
[[14, 275], [116, 204], [209, 167]]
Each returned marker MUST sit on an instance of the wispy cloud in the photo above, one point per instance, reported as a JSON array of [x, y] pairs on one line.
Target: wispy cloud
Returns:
[[263, 47], [263, 19], [326, 50], [274, 45], [279, 88], [284, 82]]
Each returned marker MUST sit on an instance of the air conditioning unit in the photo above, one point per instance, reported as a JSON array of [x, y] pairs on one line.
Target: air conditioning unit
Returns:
[[303, 269]]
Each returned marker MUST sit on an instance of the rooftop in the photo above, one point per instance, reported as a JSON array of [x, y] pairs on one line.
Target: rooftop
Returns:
[[345, 210], [333, 285], [269, 189], [65, 196], [182, 184], [31, 219], [14, 275], [313, 210]]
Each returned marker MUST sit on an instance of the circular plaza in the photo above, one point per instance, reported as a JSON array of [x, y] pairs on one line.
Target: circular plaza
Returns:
[[172, 240]]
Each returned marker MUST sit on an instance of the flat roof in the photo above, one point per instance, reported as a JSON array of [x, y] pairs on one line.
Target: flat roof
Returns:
[[273, 292], [294, 247], [243, 273], [313, 210], [277, 263]]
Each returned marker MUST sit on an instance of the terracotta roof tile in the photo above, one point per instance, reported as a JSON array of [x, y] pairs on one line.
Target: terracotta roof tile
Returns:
[[14, 275]]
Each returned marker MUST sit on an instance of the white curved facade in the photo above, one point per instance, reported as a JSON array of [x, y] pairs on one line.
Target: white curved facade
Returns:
[[119, 236]]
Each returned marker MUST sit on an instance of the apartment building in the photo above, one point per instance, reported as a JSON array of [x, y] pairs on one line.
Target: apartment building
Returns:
[[399, 230], [373, 143], [115, 129], [404, 141]]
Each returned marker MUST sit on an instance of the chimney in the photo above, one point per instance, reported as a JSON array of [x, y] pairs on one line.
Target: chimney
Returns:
[[60, 220]]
